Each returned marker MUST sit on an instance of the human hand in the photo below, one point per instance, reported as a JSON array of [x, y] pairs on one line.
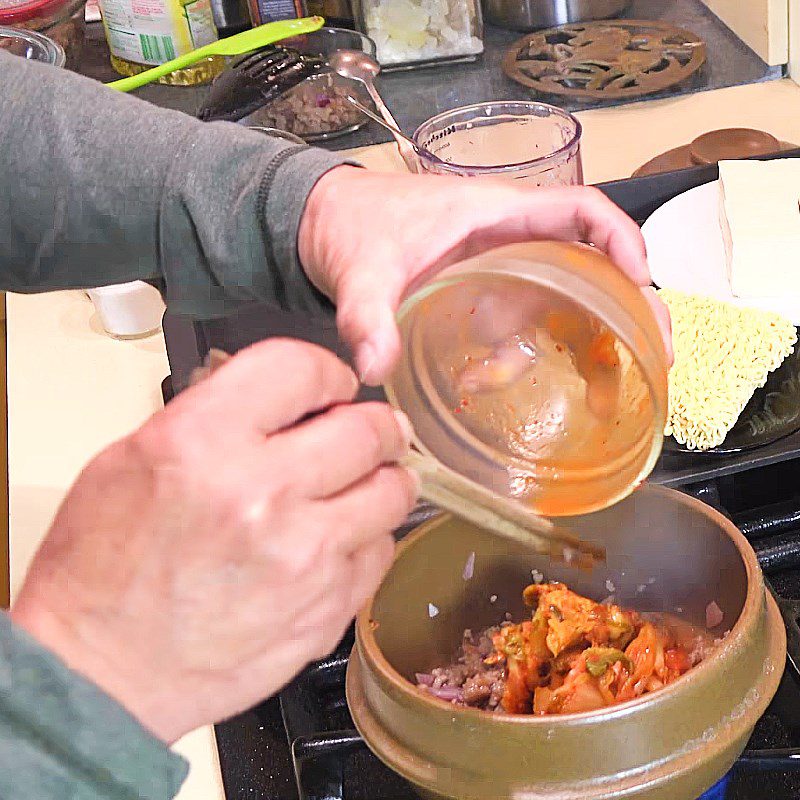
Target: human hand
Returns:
[[197, 565], [365, 237]]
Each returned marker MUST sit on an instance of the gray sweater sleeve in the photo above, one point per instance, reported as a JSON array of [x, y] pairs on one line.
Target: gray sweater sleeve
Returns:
[[97, 187], [62, 739]]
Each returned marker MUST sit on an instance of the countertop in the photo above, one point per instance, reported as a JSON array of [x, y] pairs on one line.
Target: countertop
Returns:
[[72, 390], [416, 95]]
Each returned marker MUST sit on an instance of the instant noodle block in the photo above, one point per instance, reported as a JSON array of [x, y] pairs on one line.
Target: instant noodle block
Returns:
[[722, 355]]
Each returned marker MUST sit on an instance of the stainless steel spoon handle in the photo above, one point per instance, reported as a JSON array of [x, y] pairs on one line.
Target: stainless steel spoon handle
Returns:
[[404, 143], [396, 132]]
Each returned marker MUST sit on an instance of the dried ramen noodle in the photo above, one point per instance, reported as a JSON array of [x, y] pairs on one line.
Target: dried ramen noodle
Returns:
[[722, 355]]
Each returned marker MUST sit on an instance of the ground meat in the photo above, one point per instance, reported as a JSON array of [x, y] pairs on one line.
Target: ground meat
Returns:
[[314, 107], [480, 685]]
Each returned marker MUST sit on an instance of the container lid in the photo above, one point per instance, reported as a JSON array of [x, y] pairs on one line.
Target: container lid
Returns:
[[16, 12], [32, 46], [537, 371]]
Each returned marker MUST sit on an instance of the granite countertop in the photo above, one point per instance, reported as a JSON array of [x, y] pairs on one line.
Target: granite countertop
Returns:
[[414, 96]]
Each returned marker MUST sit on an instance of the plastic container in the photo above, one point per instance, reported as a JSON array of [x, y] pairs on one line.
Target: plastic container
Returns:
[[144, 35], [517, 140], [537, 371], [415, 33], [62, 21], [32, 46], [128, 310]]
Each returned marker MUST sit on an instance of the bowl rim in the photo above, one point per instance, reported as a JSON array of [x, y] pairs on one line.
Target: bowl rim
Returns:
[[494, 170], [365, 638]]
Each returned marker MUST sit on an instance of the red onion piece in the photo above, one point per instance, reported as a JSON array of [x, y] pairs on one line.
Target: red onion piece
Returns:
[[469, 567], [449, 693], [714, 615], [323, 101], [424, 679]]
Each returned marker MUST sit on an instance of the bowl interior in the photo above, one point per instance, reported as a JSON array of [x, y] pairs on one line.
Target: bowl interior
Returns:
[[666, 553]]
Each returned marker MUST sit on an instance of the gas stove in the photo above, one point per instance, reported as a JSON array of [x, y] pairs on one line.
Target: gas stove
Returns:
[[302, 744]]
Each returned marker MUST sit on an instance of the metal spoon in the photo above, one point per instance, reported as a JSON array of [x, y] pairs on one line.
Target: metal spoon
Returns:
[[358, 66], [396, 132]]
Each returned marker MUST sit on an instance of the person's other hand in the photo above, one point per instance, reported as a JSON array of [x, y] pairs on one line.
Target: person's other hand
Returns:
[[197, 565], [366, 236]]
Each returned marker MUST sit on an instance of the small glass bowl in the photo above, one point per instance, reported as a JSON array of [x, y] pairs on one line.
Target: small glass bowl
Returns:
[[517, 140], [32, 46], [277, 133], [60, 20], [537, 371], [317, 109]]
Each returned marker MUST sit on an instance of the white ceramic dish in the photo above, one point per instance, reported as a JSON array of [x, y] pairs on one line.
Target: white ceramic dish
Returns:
[[686, 252]]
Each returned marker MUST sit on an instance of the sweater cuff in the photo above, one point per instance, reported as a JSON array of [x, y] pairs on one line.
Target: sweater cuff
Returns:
[[285, 188], [63, 724]]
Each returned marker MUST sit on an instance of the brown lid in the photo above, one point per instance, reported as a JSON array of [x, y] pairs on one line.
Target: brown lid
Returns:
[[732, 143]]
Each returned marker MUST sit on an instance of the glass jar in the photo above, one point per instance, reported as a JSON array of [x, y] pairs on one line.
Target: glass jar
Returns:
[[143, 35], [59, 20], [414, 33], [537, 371]]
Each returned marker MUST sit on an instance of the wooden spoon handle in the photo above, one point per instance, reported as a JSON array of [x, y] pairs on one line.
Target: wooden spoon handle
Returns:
[[507, 518]]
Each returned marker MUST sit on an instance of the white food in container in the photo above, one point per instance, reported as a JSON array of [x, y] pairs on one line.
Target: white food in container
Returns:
[[407, 31]]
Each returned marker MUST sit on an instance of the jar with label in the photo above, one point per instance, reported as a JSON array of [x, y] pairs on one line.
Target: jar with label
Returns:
[[412, 33], [263, 11], [144, 33]]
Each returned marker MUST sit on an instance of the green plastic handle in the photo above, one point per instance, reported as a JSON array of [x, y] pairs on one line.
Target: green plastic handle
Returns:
[[236, 45]]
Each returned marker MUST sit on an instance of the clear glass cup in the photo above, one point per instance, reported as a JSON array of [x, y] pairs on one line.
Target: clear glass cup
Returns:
[[518, 140]]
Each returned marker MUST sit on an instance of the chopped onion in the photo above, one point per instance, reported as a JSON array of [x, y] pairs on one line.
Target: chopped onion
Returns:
[[537, 576], [714, 615], [608, 601], [449, 693], [425, 679], [432, 610], [469, 567], [610, 585], [493, 598]]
